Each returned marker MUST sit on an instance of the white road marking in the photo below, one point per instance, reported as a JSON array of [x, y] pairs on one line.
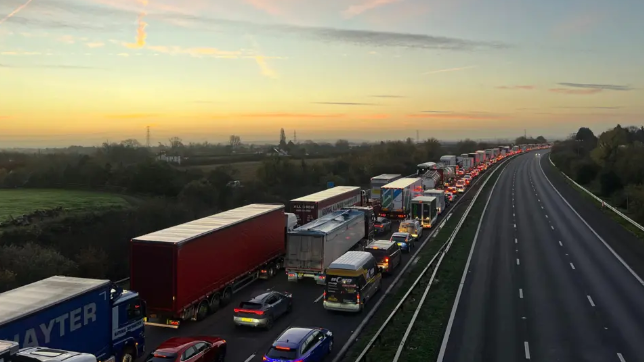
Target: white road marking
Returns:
[[560, 244], [521, 293], [539, 200], [250, 358], [541, 207], [513, 215], [320, 297], [527, 349], [572, 266], [591, 300], [547, 217], [518, 263], [515, 226], [552, 227], [621, 358], [516, 241], [415, 260]]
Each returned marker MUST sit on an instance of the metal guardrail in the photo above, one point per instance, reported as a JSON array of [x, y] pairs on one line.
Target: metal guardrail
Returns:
[[619, 213], [439, 255]]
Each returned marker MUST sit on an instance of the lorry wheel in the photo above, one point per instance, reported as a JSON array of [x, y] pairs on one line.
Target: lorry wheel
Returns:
[[271, 271], [228, 294], [202, 311], [214, 303], [128, 355]]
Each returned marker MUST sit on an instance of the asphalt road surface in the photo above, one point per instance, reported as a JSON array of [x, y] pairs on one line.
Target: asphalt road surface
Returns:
[[541, 285], [246, 345]]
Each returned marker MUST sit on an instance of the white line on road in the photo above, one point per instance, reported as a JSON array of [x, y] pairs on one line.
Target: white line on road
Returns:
[[250, 358], [539, 200], [518, 262], [541, 207], [552, 227], [547, 217], [516, 241], [591, 300], [515, 226], [320, 297], [527, 349], [621, 358], [513, 215], [521, 293], [572, 266], [560, 244]]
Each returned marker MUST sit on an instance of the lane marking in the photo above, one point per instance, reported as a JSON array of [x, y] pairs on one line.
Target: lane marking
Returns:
[[621, 358], [516, 241], [249, 358], [572, 266], [518, 262], [520, 293], [541, 207], [513, 215], [320, 297], [526, 346], [547, 217], [539, 200], [552, 227], [515, 226], [590, 300], [560, 244]]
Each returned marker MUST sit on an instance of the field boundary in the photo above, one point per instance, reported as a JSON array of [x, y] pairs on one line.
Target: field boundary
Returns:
[[598, 199]]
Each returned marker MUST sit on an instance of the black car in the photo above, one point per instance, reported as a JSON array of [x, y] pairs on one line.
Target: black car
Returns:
[[382, 225], [263, 310]]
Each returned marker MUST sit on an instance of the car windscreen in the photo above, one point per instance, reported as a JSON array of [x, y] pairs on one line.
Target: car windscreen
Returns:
[[281, 354], [399, 239], [407, 227]]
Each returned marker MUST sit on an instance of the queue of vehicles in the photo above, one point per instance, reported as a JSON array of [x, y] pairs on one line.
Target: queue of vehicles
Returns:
[[205, 261]]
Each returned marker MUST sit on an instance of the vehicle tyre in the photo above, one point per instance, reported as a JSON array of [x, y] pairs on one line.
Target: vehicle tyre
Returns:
[[271, 271], [330, 345], [215, 301], [269, 323], [228, 294], [202, 310], [128, 355]]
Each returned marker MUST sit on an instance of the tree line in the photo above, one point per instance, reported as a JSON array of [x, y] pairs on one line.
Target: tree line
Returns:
[[95, 244], [611, 165]]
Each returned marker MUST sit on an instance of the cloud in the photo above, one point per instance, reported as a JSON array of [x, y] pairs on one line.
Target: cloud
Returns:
[[141, 35], [387, 96], [20, 53], [97, 44], [579, 24], [437, 112], [131, 115], [373, 116], [52, 24], [5, 117], [266, 69], [265, 5], [123, 54], [451, 69], [459, 116], [48, 66], [520, 87], [355, 10], [612, 107], [287, 115], [574, 91], [16, 11], [598, 86], [195, 52], [346, 103]]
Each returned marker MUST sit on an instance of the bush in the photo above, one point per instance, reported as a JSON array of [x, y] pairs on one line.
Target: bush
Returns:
[[30, 262]]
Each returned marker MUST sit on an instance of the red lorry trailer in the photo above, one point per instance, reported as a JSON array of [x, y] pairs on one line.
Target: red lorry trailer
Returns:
[[314, 206], [187, 271]]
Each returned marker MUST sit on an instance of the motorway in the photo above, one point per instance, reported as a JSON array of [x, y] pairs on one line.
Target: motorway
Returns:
[[246, 345], [541, 285]]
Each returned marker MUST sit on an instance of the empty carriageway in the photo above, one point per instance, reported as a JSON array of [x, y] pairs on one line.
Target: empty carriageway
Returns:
[[541, 285]]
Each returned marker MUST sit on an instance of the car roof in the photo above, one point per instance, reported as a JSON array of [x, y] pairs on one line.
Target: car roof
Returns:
[[380, 244], [400, 234], [176, 344], [380, 218], [292, 337], [260, 298]]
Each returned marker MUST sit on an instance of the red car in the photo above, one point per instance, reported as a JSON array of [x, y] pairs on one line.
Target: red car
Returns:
[[190, 349]]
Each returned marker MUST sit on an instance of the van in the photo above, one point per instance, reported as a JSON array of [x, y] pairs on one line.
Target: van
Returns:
[[412, 227], [351, 281], [387, 253]]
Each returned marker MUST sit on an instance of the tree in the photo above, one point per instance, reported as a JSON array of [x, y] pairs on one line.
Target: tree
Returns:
[[585, 134], [235, 141], [282, 138], [31, 262], [175, 143], [132, 143]]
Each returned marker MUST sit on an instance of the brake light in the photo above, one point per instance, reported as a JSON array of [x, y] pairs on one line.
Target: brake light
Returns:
[[358, 298], [258, 312], [158, 355], [264, 358], [386, 259], [282, 348]]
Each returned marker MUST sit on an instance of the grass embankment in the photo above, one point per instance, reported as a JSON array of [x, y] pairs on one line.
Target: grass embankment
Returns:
[[16, 202], [438, 301], [608, 212], [247, 171]]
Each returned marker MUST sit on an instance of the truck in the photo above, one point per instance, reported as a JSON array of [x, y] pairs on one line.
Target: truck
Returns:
[[477, 158], [447, 174], [84, 315], [10, 352], [489, 154], [189, 270], [312, 247], [440, 199], [482, 156], [467, 162], [424, 209], [311, 207], [448, 160], [369, 219], [397, 195], [431, 180], [379, 181], [515, 149]]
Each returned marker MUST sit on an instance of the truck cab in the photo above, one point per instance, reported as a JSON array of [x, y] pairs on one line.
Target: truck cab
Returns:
[[128, 325]]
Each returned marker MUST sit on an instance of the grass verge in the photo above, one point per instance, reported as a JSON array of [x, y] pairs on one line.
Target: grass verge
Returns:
[[425, 340], [611, 214], [16, 202], [385, 348]]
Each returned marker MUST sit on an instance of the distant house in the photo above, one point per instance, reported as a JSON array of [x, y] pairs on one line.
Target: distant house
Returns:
[[169, 159], [276, 151]]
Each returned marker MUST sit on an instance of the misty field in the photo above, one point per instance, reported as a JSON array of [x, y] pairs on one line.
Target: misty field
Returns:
[[16, 202]]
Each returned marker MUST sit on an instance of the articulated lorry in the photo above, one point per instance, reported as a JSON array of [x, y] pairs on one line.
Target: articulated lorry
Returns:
[[314, 206], [379, 181], [312, 247], [424, 209], [448, 160], [476, 157], [467, 162], [77, 314], [396, 196], [189, 270]]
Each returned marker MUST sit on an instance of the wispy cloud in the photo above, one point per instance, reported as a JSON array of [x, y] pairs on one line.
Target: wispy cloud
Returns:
[[16, 11], [613, 87], [354, 10], [437, 112], [578, 24], [131, 115], [48, 66], [611, 107], [141, 35], [519, 87], [123, 55], [195, 52], [97, 44], [346, 103], [450, 69], [287, 115], [387, 96], [4, 117], [265, 5], [459, 116], [67, 39], [574, 91], [266, 69]]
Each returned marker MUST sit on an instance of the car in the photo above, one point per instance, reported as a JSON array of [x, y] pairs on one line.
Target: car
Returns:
[[468, 179], [412, 227], [404, 240], [299, 344], [263, 310], [382, 225], [190, 349], [460, 186]]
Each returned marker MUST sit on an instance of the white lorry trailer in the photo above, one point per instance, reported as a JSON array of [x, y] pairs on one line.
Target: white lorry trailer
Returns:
[[448, 160], [440, 199]]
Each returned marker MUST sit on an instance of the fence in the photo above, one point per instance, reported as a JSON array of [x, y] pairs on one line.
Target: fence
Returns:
[[606, 205]]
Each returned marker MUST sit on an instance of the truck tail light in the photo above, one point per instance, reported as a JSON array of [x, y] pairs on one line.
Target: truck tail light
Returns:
[[358, 298]]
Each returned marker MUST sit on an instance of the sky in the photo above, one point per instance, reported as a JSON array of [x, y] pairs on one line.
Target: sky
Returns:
[[87, 71]]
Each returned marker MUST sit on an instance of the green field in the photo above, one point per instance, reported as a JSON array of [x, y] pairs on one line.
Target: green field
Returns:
[[18, 202]]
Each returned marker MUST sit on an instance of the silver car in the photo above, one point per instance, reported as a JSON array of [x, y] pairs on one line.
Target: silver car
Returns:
[[263, 310]]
